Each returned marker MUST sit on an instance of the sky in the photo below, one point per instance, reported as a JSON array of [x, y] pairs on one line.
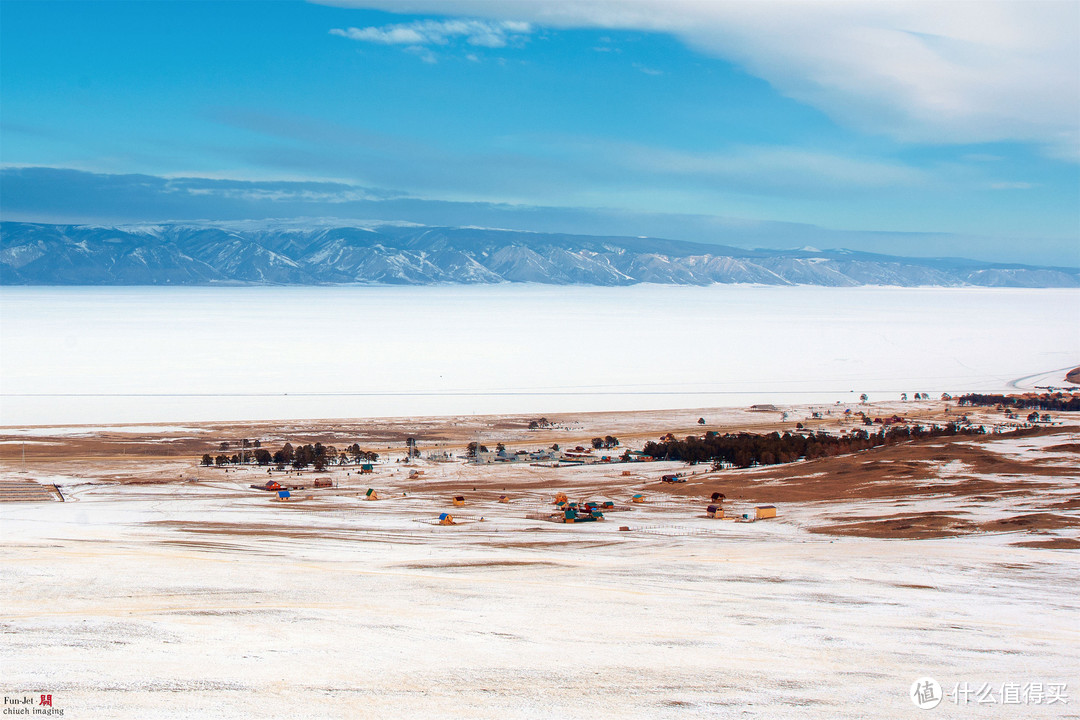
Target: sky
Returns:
[[921, 128]]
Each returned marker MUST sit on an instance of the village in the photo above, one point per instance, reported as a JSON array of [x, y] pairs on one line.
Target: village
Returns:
[[416, 573]]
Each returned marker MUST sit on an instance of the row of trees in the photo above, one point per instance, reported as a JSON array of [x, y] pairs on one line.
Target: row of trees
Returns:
[[921, 396], [605, 442], [1046, 401], [318, 455], [245, 443], [744, 450]]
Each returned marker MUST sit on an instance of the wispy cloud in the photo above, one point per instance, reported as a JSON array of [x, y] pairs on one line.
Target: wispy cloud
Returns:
[[647, 70], [946, 72], [479, 33]]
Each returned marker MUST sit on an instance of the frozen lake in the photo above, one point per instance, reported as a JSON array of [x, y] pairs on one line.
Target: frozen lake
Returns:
[[130, 355]]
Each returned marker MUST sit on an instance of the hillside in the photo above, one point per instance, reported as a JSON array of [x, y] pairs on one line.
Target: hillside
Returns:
[[268, 253]]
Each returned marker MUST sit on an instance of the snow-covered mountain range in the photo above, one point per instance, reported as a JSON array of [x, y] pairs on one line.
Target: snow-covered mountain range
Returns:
[[322, 253]]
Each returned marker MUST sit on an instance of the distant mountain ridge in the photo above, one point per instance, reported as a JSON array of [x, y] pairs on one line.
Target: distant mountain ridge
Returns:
[[401, 254]]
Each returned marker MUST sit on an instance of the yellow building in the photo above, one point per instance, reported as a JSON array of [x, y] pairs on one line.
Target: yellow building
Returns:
[[714, 511], [765, 511], [638, 498], [459, 500]]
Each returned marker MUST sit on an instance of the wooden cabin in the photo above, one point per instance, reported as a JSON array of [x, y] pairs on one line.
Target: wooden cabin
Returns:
[[639, 498], [765, 511], [459, 500], [446, 519], [714, 511], [371, 494], [367, 468]]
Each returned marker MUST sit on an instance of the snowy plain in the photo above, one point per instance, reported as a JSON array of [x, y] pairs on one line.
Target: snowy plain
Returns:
[[211, 600]]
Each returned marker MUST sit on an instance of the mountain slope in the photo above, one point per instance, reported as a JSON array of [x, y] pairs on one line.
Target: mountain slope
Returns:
[[264, 253]]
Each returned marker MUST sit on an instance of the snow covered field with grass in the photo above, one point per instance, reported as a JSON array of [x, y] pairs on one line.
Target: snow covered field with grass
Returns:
[[199, 596]]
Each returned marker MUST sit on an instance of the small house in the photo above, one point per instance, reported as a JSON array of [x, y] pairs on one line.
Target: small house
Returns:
[[367, 468], [765, 511], [283, 495], [639, 498], [504, 499], [714, 511], [446, 519], [607, 505], [371, 494], [459, 500]]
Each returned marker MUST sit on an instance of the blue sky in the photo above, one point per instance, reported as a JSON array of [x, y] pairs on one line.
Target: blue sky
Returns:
[[904, 128]]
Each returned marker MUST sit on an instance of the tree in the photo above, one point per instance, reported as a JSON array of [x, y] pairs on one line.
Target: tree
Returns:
[[224, 445], [207, 460], [597, 443], [611, 441], [470, 449], [555, 447], [864, 397], [903, 396], [500, 448], [701, 421], [946, 396]]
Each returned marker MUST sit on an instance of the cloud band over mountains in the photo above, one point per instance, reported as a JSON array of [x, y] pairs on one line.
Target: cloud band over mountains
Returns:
[[64, 195]]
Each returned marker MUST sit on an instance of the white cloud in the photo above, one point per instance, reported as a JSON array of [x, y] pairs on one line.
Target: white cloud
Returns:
[[945, 71], [479, 33], [648, 70]]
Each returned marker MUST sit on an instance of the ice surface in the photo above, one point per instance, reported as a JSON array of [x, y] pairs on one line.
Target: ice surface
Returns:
[[137, 355]]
